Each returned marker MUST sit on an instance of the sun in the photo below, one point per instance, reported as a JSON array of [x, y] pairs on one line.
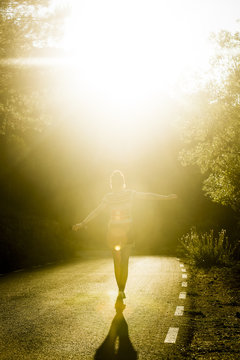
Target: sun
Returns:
[[129, 59], [130, 52]]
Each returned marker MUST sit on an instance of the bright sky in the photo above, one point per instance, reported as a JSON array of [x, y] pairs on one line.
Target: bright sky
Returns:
[[135, 49], [130, 54]]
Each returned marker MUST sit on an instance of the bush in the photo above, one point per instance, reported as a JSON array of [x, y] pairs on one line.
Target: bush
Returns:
[[29, 240], [206, 250]]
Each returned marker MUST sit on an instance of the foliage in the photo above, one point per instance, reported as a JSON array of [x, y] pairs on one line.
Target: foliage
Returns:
[[26, 26], [212, 127], [206, 250], [28, 240]]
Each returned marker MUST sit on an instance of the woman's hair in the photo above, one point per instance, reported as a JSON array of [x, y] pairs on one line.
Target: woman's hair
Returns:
[[117, 180]]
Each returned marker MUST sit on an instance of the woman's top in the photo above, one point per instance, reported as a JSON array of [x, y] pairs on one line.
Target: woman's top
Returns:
[[119, 205]]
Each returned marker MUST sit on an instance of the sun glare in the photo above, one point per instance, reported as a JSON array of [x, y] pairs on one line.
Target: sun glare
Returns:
[[127, 57], [129, 51]]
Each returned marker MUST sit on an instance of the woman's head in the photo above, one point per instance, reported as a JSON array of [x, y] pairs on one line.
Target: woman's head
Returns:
[[117, 181]]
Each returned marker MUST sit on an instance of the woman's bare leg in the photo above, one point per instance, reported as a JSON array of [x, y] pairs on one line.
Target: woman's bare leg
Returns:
[[117, 266], [125, 253], [121, 259]]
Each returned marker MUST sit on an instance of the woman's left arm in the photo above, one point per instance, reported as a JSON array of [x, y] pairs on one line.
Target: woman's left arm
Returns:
[[153, 196]]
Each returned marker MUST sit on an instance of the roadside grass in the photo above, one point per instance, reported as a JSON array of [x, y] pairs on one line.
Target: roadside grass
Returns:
[[214, 292], [215, 313], [206, 250]]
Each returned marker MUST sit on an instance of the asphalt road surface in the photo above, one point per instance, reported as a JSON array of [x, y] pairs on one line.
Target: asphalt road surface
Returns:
[[65, 311]]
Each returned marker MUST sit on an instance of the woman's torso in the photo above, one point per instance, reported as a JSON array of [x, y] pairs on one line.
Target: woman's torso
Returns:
[[120, 206]]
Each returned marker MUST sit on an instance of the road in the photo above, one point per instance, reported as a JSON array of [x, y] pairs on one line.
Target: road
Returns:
[[65, 311]]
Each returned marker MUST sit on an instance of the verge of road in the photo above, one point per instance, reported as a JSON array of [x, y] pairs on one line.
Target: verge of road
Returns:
[[215, 314]]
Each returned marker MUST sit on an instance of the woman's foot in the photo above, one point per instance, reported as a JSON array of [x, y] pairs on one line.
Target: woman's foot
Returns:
[[119, 305], [121, 294]]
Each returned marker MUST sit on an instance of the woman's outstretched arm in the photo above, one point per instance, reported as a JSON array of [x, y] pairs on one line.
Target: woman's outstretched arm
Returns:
[[152, 196], [90, 217]]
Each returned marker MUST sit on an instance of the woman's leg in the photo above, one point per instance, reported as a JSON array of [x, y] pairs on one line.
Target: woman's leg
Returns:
[[121, 259], [125, 253], [120, 256], [117, 266]]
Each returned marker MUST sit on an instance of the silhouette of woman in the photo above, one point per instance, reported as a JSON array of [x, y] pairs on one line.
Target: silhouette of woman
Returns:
[[119, 203]]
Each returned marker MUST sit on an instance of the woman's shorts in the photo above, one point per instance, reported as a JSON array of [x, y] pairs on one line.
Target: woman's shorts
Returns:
[[119, 235]]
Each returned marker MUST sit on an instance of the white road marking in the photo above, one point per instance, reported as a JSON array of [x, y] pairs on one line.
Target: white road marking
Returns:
[[184, 276], [184, 284], [17, 271], [181, 265], [184, 270], [182, 295], [179, 311], [171, 335]]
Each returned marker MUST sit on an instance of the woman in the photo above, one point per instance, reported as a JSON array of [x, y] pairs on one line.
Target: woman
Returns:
[[119, 202]]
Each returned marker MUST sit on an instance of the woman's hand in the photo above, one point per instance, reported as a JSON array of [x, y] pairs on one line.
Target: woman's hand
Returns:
[[172, 196], [77, 227]]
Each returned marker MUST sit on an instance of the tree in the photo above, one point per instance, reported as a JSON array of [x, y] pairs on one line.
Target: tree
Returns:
[[27, 27], [212, 126]]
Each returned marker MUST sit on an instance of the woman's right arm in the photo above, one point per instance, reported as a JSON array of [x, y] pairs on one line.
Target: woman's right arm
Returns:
[[90, 217]]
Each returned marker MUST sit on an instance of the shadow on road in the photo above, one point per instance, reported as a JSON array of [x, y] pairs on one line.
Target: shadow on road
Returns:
[[117, 345]]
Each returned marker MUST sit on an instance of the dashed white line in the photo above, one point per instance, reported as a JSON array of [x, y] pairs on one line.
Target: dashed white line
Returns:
[[179, 311], [183, 295], [171, 335]]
